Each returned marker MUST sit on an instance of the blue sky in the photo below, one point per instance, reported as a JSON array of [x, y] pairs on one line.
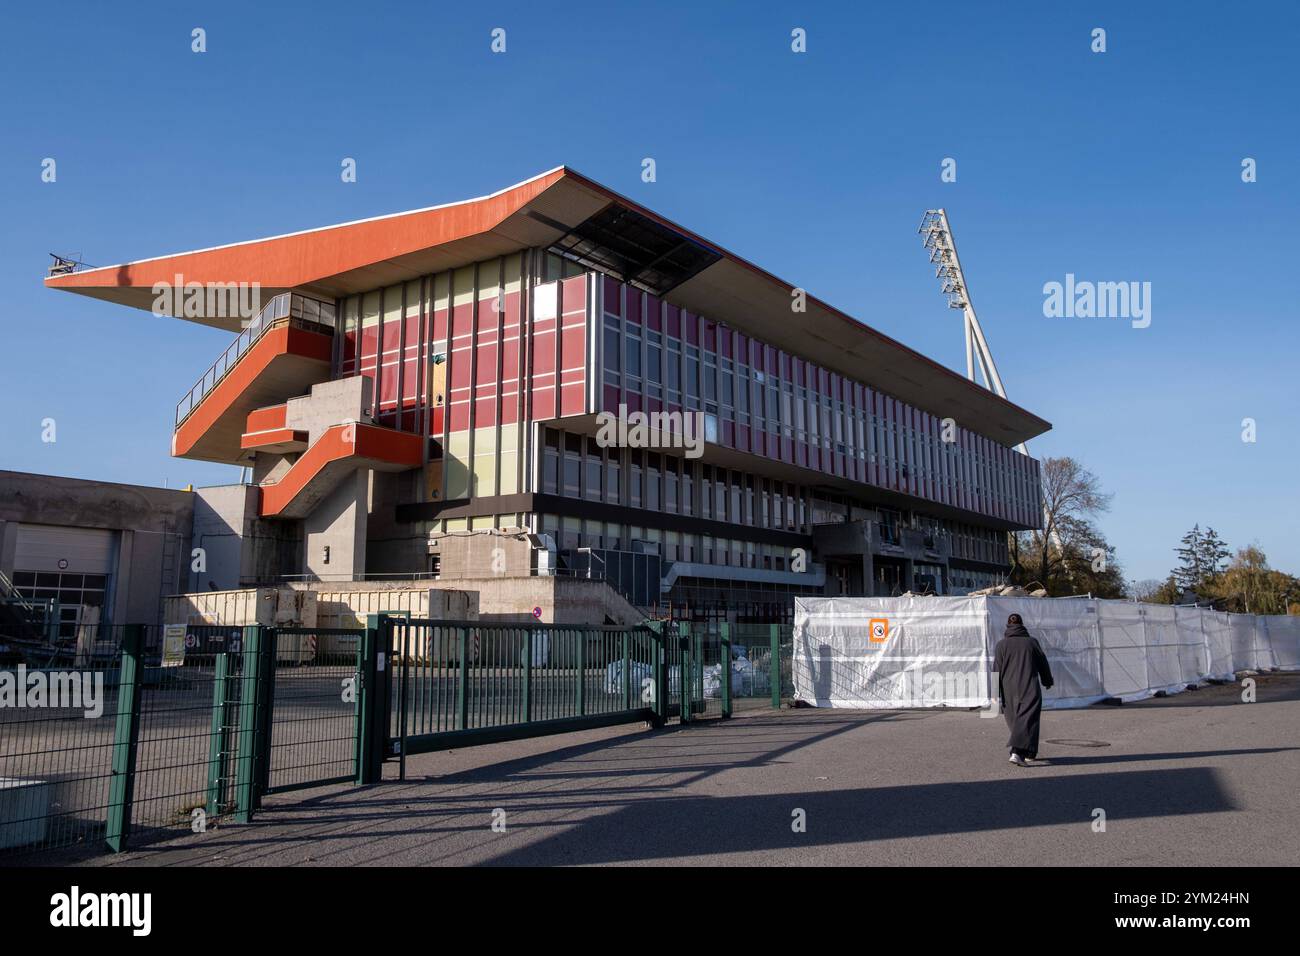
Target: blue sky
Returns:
[[1119, 166]]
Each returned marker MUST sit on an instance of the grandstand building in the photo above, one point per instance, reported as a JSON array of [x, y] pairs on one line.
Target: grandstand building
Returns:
[[422, 376]]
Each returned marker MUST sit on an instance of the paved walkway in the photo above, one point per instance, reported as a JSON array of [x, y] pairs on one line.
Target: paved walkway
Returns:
[[1199, 778]]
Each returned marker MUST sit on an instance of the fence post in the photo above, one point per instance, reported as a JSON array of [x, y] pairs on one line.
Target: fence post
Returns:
[[582, 673], [1146, 656], [528, 675], [627, 676], [266, 661], [657, 650], [250, 680], [126, 739], [462, 682], [774, 666], [403, 691], [685, 674], [217, 737], [1101, 647], [724, 639], [372, 667], [1205, 641]]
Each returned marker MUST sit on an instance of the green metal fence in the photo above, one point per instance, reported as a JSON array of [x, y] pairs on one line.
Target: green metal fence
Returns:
[[57, 743], [158, 746], [464, 683], [185, 737], [177, 741], [180, 742]]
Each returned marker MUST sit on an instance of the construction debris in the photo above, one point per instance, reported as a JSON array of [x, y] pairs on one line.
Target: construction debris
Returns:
[[1007, 590]]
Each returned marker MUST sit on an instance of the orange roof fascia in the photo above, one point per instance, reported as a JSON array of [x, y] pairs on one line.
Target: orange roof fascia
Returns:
[[297, 259]]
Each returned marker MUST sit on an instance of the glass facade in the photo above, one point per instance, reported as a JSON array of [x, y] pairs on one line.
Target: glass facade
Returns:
[[758, 399], [575, 466], [489, 360]]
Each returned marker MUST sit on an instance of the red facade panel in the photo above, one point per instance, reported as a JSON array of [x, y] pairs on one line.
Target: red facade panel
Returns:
[[573, 344]]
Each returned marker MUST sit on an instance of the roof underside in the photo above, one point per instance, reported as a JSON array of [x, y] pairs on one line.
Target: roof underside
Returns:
[[579, 218]]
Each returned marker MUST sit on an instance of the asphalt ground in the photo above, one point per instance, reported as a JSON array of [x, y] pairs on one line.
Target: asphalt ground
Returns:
[[1198, 778]]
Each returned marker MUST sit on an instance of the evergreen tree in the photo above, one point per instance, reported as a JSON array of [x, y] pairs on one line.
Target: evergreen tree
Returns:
[[1191, 557], [1214, 554]]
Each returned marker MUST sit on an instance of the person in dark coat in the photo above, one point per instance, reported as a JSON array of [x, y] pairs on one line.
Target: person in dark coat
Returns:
[[1021, 665]]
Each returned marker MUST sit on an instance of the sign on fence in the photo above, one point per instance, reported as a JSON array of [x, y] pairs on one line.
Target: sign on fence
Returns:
[[173, 646]]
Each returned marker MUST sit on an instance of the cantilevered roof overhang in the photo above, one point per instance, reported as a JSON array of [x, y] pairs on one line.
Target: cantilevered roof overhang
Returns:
[[584, 219]]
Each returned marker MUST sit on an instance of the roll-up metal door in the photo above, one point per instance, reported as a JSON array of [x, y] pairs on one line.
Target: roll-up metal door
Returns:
[[75, 550]]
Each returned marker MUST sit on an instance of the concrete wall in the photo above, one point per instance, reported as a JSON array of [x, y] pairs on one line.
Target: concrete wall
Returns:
[[559, 600], [329, 404], [483, 554], [394, 547], [240, 548], [339, 524], [152, 525]]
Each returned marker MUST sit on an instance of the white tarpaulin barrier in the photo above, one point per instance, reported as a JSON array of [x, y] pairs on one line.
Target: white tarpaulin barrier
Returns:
[[938, 651]]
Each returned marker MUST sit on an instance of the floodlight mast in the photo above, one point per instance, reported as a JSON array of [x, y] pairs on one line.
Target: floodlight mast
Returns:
[[937, 236]]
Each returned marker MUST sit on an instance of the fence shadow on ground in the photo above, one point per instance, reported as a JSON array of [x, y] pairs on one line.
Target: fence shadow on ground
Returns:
[[650, 830], [379, 812], [625, 808]]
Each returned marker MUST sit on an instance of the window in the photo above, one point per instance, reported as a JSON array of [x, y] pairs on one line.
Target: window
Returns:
[[673, 370], [652, 483], [612, 487], [612, 350], [594, 471], [71, 591], [632, 352], [572, 465], [551, 464]]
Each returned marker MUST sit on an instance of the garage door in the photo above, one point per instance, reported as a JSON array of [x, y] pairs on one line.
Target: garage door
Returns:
[[42, 547]]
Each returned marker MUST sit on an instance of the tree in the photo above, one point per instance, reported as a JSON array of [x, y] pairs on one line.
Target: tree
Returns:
[[1190, 571], [1214, 553], [1249, 586], [1152, 591], [1088, 562], [1201, 558], [1070, 554]]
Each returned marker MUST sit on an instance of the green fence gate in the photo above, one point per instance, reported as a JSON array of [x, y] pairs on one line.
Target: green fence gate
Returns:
[[311, 707], [460, 683]]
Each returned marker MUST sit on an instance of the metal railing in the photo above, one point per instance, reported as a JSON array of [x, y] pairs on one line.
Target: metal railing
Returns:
[[286, 307], [467, 682]]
